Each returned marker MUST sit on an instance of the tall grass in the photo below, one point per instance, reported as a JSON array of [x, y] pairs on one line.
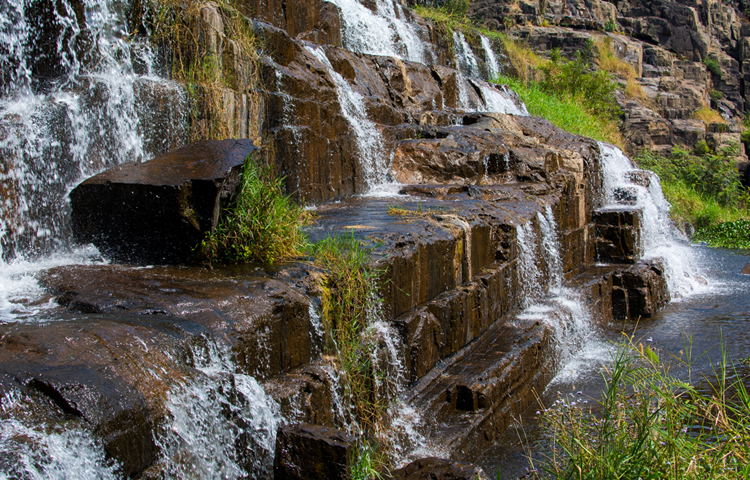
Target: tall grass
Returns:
[[652, 424], [350, 302], [261, 225]]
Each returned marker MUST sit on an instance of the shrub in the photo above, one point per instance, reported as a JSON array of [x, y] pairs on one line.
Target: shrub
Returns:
[[727, 234], [712, 65], [262, 224], [574, 78], [701, 148]]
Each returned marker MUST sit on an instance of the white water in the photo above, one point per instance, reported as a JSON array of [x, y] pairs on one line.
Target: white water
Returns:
[[208, 417], [374, 161], [626, 185], [493, 66], [382, 32], [59, 128], [501, 101], [33, 453], [468, 63]]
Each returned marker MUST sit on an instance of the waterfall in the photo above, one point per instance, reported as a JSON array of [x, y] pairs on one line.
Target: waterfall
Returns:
[[627, 185], [74, 89], [381, 32], [529, 275], [466, 61], [501, 101], [373, 158], [493, 66], [220, 423]]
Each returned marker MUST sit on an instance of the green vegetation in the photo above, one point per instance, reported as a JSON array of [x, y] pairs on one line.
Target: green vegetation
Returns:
[[727, 235], [350, 301], [712, 65], [179, 28], [566, 112], [652, 424], [261, 225], [704, 190]]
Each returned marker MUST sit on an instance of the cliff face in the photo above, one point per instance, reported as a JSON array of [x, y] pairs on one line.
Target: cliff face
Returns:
[[687, 55]]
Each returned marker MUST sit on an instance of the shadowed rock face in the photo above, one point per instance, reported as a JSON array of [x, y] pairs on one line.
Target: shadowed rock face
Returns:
[[159, 211]]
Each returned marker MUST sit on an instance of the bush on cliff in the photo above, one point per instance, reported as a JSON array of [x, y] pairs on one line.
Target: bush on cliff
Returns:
[[262, 224]]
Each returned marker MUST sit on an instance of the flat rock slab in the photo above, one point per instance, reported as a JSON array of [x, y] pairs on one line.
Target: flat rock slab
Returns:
[[157, 212]]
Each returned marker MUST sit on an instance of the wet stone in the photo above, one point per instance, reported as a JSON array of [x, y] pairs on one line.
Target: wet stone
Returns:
[[305, 451], [433, 468], [157, 212]]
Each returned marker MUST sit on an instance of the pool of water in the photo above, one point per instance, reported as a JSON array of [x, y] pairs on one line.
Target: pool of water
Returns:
[[703, 323]]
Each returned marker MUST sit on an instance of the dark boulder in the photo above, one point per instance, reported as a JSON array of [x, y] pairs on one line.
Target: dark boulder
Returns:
[[305, 451], [158, 211], [433, 468], [746, 269]]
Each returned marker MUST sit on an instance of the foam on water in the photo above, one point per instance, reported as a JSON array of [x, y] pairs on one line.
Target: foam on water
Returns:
[[626, 185], [207, 416]]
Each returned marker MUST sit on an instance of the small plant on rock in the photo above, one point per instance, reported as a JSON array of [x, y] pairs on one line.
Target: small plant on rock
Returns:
[[262, 224]]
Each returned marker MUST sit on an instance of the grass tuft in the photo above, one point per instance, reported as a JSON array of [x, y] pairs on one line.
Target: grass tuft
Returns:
[[652, 424], [262, 224], [708, 116]]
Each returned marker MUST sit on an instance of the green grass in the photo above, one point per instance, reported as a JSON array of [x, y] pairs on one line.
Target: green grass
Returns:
[[565, 112], [652, 424], [705, 191], [262, 224], [350, 301]]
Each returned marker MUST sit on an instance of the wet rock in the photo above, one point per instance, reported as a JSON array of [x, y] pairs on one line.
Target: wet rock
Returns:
[[265, 322], [433, 468], [305, 451], [639, 291], [746, 269], [159, 211], [618, 234]]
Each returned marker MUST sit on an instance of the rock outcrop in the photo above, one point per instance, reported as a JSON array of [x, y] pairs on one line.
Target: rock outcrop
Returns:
[[159, 211]]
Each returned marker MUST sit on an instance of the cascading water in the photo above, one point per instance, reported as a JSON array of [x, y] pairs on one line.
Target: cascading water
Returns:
[[493, 66], [220, 424], [468, 63], [74, 88], [541, 276], [627, 186], [374, 160], [383, 31]]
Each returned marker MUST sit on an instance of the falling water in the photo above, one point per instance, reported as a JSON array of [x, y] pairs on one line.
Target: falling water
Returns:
[[34, 453], [74, 87], [467, 62], [626, 185], [373, 159], [382, 32], [220, 424], [493, 66], [501, 101]]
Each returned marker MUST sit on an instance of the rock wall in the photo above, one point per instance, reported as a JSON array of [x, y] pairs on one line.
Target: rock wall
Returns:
[[668, 43]]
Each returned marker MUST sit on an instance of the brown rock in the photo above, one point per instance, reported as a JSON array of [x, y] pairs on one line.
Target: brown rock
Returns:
[[306, 452], [746, 269], [433, 468]]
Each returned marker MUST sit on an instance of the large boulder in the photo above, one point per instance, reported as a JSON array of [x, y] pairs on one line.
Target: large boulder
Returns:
[[159, 211]]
